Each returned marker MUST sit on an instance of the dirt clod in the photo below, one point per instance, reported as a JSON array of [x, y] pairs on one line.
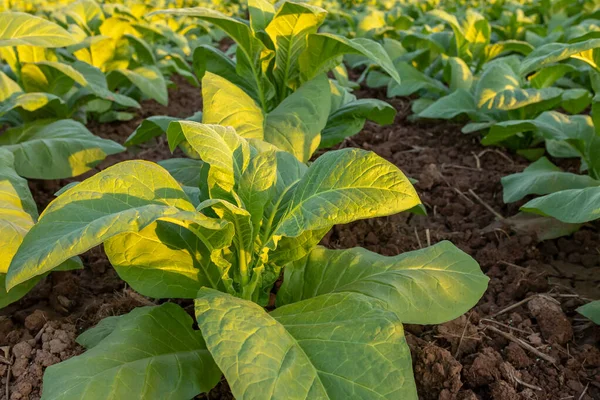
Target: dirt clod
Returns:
[[502, 390], [436, 370], [22, 350], [517, 356], [554, 324], [485, 368], [35, 321]]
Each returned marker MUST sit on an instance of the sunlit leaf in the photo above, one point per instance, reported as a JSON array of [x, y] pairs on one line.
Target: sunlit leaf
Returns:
[[54, 150], [427, 286], [151, 353], [21, 29], [310, 349]]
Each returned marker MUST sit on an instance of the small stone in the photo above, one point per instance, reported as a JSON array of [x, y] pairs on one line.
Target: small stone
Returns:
[[22, 350], [517, 356], [553, 323], [34, 322]]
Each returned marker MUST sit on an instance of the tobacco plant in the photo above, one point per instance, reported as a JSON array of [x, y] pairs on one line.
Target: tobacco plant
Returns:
[[90, 59], [223, 230], [279, 58], [38, 83], [570, 198], [18, 213]]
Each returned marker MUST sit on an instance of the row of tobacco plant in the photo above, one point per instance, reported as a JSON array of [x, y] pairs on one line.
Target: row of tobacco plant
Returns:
[[244, 211]]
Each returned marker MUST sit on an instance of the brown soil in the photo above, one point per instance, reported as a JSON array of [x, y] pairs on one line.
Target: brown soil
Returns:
[[464, 359]]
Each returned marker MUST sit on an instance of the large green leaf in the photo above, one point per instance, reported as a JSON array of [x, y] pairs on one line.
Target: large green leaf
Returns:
[[295, 125], [226, 104], [428, 286], [85, 13], [288, 30], [98, 86], [343, 186], [151, 353], [575, 206], [555, 52], [461, 76], [55, 150], [324, 50], [92, 337], [36, 105], [499, 88], [340, 187], [309, 350], [50, 76], [507, 129], [349, 119], [21, 29], [494, 50], [453, 105], [167, 260], [376, 79], [144, 52], [576, 101], [541, 178], [227, 153], [547, 76], [551, 126], [126, 197], [591, 310], [18, 213], [148, 79]]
